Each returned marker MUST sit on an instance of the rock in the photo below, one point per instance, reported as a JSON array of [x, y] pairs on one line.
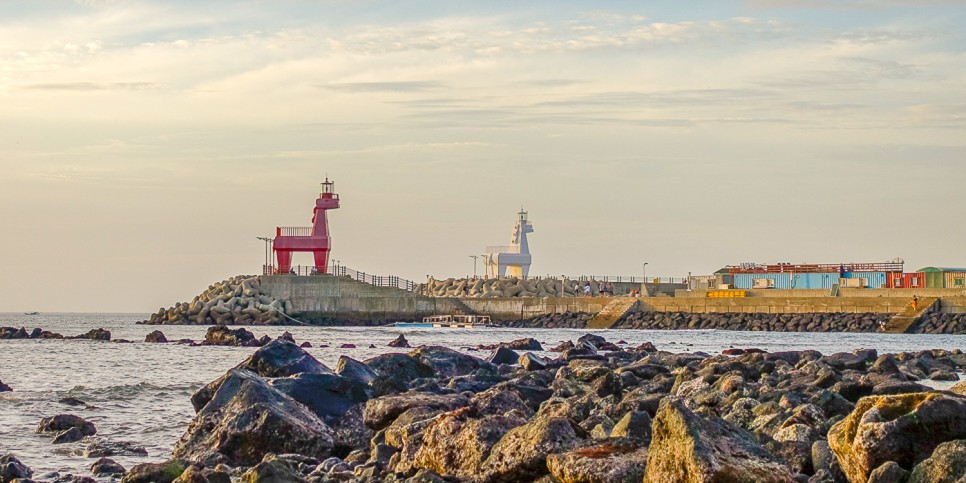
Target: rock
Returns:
[[904, 428], [71, 435], [354, 370], [64, 422], [194, 474], [247, 418], [165, 472], [279, 358], [273, 469], [614, 461], [688, 448], [99, 448], [502, 355], [11, 468], [890, 472], [645, 347], [4, 387], [95, 334], [107, 467], [521, 455], [527, 344], [455, 444], [222, 335], [947, 464], [447, 362], [399, 342], [72, 401], [157, 337], [635, 425], [382, 411], [565, 345], [592, 339], [306, 345], [372, 346], [329, 396], [531, 362], [347, 346]]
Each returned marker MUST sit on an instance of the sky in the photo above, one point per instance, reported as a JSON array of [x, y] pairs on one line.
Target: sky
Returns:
[[145, 145]]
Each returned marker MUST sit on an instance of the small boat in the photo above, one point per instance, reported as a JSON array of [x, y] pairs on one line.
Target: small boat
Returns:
[[31, 313], [450, 321]]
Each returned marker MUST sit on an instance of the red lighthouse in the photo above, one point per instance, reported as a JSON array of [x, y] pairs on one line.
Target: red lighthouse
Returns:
[[313, 239]]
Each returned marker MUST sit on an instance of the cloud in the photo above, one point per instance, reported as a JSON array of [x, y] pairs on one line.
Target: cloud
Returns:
[[399, 86], [90, 86]]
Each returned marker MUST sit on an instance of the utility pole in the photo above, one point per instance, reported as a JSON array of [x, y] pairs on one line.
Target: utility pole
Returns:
[[268, 250], [474, 257], [644, 272]]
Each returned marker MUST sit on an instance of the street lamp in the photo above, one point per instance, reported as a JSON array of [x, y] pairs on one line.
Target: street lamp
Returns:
[[644, 272], [268, 250], [474, 257]]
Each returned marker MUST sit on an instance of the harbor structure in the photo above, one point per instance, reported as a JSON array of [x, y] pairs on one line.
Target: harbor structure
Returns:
[[944, 277], [514, 259], [314, 239]]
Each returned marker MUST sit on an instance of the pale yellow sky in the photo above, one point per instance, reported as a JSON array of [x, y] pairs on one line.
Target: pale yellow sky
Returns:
[[145, 145]]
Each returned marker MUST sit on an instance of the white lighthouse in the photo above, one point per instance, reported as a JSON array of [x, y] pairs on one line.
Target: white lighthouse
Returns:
[[514, 259]]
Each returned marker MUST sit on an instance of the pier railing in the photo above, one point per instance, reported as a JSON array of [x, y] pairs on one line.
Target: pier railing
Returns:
[[344, 271], [598, 278]]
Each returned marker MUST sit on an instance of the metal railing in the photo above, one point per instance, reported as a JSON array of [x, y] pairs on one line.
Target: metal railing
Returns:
[[294, 231], [343, 271], [596, 278]]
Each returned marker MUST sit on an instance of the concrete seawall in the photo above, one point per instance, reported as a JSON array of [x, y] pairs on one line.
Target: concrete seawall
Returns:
[[339, 299]]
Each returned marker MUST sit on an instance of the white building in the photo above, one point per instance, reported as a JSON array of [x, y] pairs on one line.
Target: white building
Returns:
[[514, 259]]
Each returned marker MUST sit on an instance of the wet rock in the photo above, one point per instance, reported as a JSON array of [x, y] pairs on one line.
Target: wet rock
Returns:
[[165, 472], [382, 411], [11, 468], [329, 396], [617, 461], [156, 336], [527, 344], [99, 448], [455, 444], [4, 387], [95, 334], [531, 362], [64, 422], [107, 467], [687, 447], [399, 341], [71, 435], [565, 345], [947, 463], [354, 370], [502, 355], [279, 358], [273, 469], [396, 371], [521, 455], [247, 418], [222, 335], [890, 472], [904, 428], [447, 362], [635, 425], [73, 401]]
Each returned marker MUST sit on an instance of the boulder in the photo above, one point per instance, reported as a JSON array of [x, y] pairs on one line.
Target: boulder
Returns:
[[222, 335], [11, 468], [279, 358], [71, 435], [399, 369], [329, 396], [947, 464], [592, 339], [502, 355], [99, 448], [689, 448], [399, 342], [354, 370], [521, 455], [616, 461], [247, 418], [455, 444], [64, 422], [382, 411], [95, 334], [447, 362], [165, 472], [107, 467], [531, 362], [904, 428], [890, 472], [157, 336], [273, 469], [4, 387], [527, 344], [635, 425]]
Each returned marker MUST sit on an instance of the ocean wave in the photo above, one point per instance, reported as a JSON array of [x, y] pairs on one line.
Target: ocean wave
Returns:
[[126, 391]]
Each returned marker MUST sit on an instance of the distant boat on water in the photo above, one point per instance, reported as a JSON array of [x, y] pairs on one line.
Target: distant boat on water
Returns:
[[31, 313]]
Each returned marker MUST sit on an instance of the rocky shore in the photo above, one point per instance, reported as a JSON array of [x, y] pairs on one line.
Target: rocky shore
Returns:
[[592, 413]]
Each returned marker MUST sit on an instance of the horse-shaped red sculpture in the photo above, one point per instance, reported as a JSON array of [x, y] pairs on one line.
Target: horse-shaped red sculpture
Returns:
[[313, 238]]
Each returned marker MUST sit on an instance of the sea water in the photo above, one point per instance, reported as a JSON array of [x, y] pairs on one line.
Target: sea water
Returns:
[[140, 391]]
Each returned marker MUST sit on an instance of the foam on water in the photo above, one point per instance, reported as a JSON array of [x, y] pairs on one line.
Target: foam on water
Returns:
[[140, 392]]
